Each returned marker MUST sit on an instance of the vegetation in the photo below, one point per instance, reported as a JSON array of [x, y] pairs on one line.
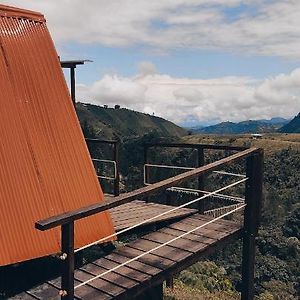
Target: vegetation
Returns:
[[278, 246], [122, 123]]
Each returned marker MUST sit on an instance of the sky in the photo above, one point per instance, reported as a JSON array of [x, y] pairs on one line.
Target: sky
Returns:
[[195, 62]]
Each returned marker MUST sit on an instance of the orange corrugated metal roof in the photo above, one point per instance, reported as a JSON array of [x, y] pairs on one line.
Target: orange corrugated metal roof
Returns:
[[45, 167]]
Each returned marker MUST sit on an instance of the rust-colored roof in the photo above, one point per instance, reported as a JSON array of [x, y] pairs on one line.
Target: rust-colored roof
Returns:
[[45, 167]]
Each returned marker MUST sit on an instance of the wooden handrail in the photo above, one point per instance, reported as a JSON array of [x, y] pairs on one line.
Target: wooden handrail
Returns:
[[196, 146], [139, 193]]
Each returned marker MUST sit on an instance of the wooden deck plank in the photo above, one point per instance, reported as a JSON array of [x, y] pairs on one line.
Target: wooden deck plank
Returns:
[[191, 236], [151, 259], [45, 291], [23, 296], [205, 231], [87, 292], [135, 265], [125, 271], [181, 244], [114, 278], [135, 212], [124, 208], [169, 252], [151, 269], [106, 287]]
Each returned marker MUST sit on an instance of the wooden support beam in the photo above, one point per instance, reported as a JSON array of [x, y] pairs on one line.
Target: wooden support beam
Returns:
[[197, 146], [153, 293], [251, 221], [68, 264], [117, 179], [200, 163], [146, 170], [170, 282], [73, 85]]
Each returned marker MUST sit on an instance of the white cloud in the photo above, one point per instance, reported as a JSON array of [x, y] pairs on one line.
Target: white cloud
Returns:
[[265, 28], [184, 99], [146, 68]]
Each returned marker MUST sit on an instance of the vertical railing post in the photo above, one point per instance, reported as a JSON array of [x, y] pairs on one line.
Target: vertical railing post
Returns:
[[73, 85], [200, 163], [170, 282], [117, 179], [67, 248], [145, 162], [146, 169], [253, 199]]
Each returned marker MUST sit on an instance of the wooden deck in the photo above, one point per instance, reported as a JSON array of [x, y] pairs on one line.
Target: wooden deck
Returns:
[[149, 271], [137, 211]]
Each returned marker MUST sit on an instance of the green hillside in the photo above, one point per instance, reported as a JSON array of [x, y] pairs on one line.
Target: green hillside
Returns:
[[123, 123], [293, 126]]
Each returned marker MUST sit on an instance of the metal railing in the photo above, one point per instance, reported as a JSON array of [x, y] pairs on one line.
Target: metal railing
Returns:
[[115, 161], [252, 206], [200, 161]]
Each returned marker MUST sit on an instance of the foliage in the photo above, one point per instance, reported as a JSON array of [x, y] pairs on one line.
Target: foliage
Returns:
[[184, 291], [278, 248], [206, 275], [291, 227], [122, 123]]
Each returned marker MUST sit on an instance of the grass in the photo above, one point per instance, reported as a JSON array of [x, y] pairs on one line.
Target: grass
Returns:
[[182, 291], [271, 142]]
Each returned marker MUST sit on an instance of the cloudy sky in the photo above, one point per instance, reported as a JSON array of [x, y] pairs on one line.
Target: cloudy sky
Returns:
[[190, 61]]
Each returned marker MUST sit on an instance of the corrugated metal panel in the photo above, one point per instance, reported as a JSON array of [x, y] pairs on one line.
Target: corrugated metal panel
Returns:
[[45, 167]]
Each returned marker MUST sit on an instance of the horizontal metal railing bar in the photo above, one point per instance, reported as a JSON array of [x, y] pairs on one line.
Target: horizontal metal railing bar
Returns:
[[191, 168], [183, 168], [104, 160], [107, 161], [169, 167], [229, 174], [90, 140], [106, 177], [139, 193], [196, 146], [196, 191], [218, 209]]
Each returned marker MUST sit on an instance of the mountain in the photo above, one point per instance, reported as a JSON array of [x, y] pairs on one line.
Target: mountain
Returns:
[[251, 126], [276, 120], [123, 123], [292, 127]]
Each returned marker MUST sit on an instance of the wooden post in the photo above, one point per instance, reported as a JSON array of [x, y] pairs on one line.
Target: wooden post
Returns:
[[153, 293], [170, 283], [146, 169], [145, 162], [253, 200], [200, 163], [73, 87], [117, 179], [67, 248]]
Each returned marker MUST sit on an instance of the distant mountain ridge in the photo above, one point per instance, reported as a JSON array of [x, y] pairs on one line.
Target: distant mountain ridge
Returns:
[[122, 123], [292, 127], [250, 126]]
